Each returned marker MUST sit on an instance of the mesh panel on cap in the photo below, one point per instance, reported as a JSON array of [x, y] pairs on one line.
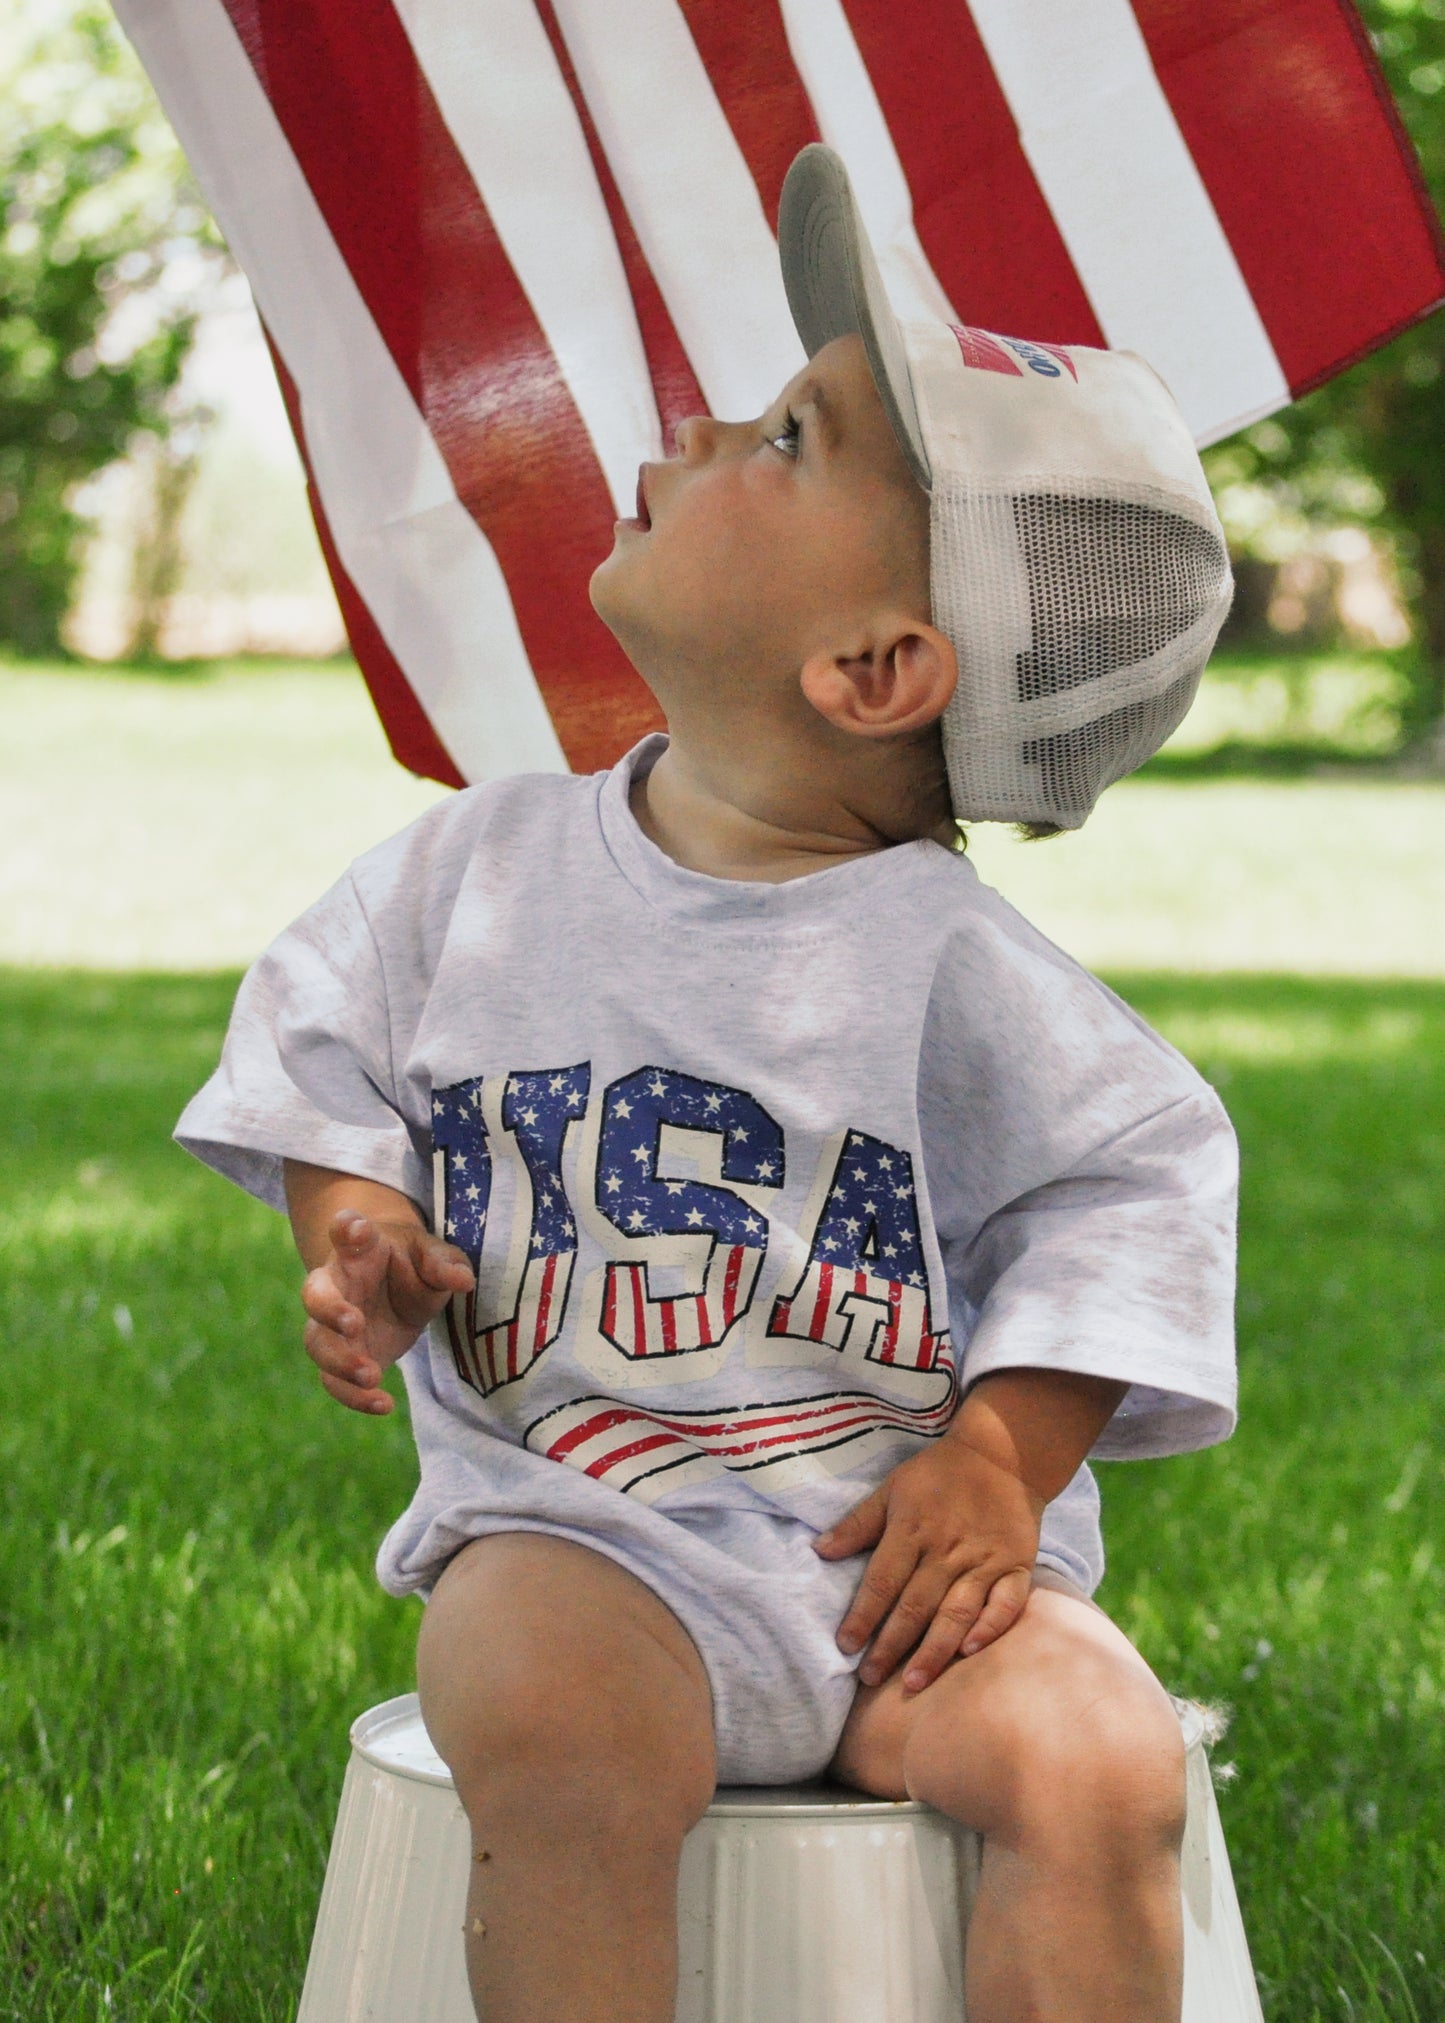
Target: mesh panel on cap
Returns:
[[1076, 766], [1082, 622], [1110, 582]]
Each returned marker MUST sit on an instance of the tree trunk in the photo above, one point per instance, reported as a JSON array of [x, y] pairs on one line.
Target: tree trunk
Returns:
[[1425, 726], [159, 555]]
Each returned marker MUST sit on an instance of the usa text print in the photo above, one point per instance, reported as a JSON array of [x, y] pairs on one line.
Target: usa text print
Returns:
[[643, 1205], [686, 1254], [496, 1336], [865, 1284]]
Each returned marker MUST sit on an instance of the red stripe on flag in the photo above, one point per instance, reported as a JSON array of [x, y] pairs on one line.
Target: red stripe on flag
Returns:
[[544, 1304], [820, 1305], [746, 55], [674, 383], [730, 1285], [888, 1348], [980, 214], [414, 232], [413, 742], [640, 1342], [1313, 177], [599, 1422], [628, 1453], [669, 1326], [820, 1436]]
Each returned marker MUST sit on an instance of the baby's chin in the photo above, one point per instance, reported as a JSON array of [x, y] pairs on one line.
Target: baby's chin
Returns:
[[609, 598]]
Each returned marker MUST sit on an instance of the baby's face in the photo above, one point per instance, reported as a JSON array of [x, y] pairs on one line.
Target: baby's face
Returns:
[[764, 542]]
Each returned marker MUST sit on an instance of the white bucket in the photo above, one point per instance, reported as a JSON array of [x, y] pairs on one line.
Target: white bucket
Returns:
[[796, 1904]]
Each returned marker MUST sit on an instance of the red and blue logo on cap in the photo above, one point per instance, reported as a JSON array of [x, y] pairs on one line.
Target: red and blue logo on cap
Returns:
[[988, 352]]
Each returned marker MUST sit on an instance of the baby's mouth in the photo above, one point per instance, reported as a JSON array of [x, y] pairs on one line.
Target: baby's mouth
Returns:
[[644, 518]]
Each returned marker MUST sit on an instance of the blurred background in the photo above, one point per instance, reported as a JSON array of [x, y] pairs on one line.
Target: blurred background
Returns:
[[189, 756]]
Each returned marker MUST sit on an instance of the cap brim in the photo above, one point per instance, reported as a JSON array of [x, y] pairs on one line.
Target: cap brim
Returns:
[[835, 289]]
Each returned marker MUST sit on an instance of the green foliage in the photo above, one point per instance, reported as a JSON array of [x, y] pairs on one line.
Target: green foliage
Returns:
[[101, 243], [187, 1613], [1370, 445]]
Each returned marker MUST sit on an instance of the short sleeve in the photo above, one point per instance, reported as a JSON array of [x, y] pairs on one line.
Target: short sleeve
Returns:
[[306, 1072], [1084, 1180]]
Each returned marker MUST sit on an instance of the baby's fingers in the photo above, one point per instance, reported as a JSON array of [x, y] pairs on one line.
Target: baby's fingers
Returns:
[[915, 1620], [953, 1623], [1006, 1602], [373, 1401], [328, 1305], [442, 1266], [350, 1377]]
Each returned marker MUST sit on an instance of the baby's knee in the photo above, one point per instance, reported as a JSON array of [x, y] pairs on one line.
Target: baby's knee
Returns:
[[1091, 1761], [570, 1704], [563, 1742]]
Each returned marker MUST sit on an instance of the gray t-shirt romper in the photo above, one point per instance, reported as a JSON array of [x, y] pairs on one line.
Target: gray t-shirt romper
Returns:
[[758, 1179]]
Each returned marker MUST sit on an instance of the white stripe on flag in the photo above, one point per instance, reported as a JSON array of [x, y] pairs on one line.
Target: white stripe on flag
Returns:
[[689, 194], [1130, 204], [851, 120], [508, 109], [426, 572]]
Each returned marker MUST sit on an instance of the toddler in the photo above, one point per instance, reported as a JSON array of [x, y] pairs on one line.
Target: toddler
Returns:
[[768, 1222]]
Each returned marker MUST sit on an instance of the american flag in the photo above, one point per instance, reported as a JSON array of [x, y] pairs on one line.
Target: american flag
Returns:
[[650, 1453], [502, 246], [499, 1330], [729, 1235], [865, 1286]]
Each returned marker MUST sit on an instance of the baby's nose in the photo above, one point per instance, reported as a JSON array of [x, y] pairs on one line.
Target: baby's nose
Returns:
[[696, 437]]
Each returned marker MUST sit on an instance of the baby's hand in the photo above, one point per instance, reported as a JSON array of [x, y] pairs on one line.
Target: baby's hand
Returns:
[[955, 1535], [379, 1287]]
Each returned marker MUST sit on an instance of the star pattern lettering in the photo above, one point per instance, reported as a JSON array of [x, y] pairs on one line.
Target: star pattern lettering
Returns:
[[639, 1200]]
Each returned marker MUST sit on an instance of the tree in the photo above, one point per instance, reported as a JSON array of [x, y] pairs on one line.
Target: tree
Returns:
[[102, 255], [1371, 444]]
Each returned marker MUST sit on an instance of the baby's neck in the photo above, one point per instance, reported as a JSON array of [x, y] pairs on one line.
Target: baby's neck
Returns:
[[730, 824]]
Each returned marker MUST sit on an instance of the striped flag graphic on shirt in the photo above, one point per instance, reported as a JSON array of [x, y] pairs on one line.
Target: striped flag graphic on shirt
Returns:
[[864, 1287], [643, 1204], [498, 1331], [502, 246], [650, 1453]]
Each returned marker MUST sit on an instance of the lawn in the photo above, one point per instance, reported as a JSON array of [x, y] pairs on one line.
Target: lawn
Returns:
[[188, 1618], [178, 821], [188, 1614]]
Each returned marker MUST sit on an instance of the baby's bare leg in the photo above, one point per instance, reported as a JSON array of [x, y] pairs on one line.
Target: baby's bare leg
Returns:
[[1058, 1744], [574, 1713]]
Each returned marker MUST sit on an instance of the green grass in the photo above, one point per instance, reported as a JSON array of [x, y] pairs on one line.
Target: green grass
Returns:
[[1288, 706], [177, 819], [187, 1612]]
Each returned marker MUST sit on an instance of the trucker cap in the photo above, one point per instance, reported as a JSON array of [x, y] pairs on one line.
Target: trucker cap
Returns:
[[1076, 561]]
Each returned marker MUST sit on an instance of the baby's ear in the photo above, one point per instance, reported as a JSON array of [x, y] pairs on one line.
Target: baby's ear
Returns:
[[902, 682]]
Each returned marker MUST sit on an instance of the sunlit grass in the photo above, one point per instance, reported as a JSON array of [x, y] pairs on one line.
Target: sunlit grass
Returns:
[[1348, 701], [188, 1617], [177, 821]]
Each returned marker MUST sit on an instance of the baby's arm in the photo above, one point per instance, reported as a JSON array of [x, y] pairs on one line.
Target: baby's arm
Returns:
[[956, 1528], [376, 1276]]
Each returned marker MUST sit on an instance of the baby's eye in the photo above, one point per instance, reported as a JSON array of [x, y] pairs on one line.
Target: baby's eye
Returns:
[[786, 439]]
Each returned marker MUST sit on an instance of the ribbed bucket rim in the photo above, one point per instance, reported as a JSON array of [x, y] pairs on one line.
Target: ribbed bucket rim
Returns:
[[800, 1801]]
